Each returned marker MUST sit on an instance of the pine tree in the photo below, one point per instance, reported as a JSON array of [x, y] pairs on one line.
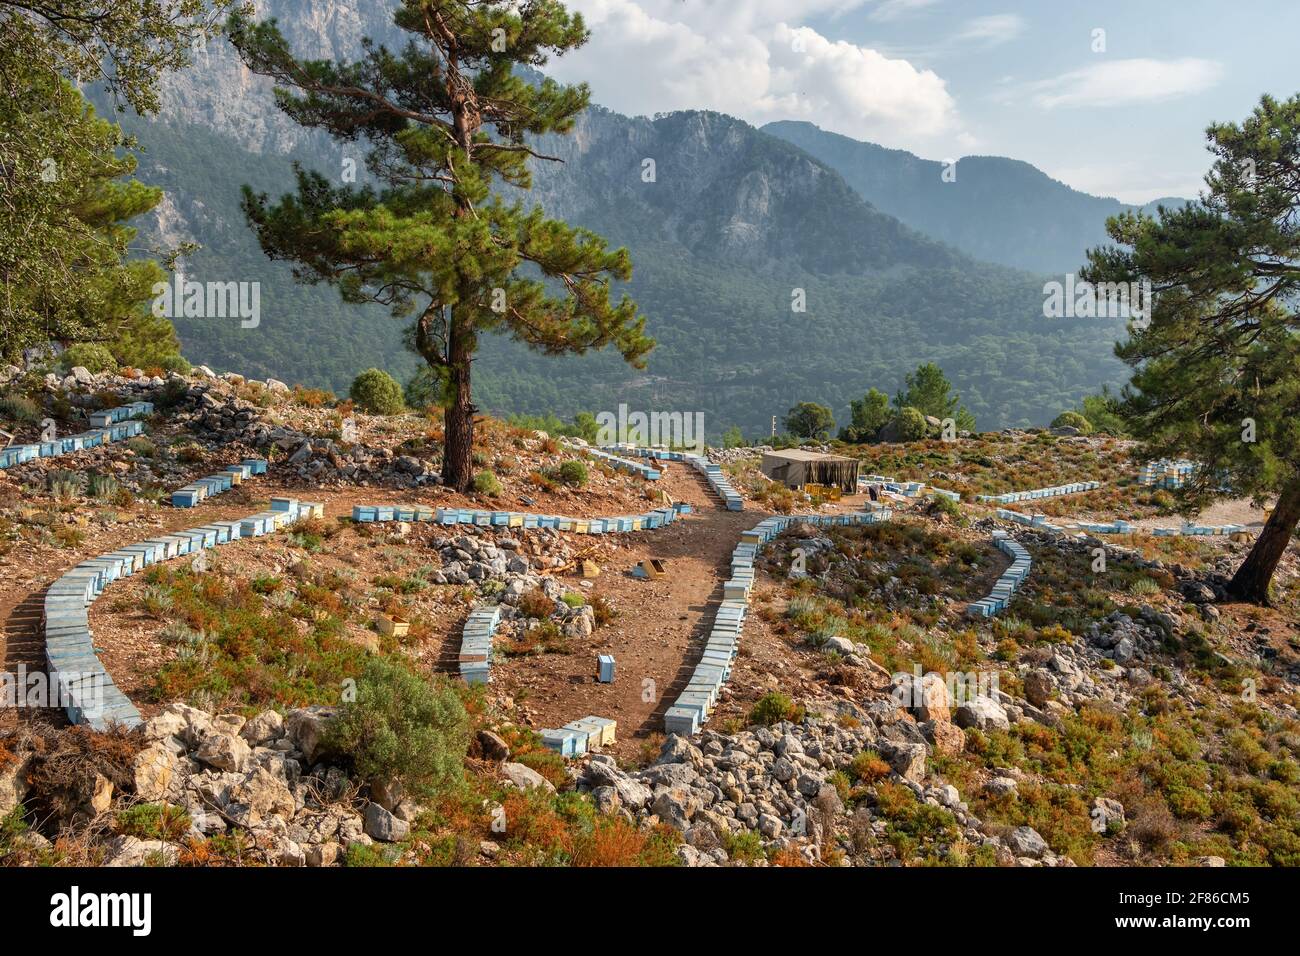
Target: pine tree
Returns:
[[446, 119], [65, 199], [1215, 363], [928, 390]]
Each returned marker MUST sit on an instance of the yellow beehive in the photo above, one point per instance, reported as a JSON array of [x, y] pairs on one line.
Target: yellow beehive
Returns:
[[393, 625]]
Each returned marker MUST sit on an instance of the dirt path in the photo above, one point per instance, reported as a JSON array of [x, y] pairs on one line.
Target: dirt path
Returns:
[[659, 630]]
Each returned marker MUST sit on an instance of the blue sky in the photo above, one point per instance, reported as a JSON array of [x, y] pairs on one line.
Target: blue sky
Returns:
[[1121, 113]]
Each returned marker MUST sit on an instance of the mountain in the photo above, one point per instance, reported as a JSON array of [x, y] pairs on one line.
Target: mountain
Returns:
[[732, 227], [997, 209]]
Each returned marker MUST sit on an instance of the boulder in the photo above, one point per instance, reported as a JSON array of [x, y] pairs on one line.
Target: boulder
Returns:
[[384, 826], [1025, 841], [525, 778], [132, 851], [306, 728], [492, 746], [675, 806], [387, 793], [1107, 814], [1038, 687], [263, 728], [225, 752], [908, 761], [982, 713], [13, 784], [154, 768]]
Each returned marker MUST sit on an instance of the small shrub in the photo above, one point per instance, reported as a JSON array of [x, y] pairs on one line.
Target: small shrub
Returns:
[[377, 392], [534, 603], [573, 599], [487, 483], [772, 708], [20, 409], [175, 363], [573, 473], [1072, 420], [90, 356], [142, 445], [154, 821], [402, 727]]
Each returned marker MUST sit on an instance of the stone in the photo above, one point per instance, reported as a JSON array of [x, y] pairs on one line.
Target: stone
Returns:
[[387, 793], [13, 784], [769, 826], [525, 778], [1025, 841], [224, 751], [675, 806], [169, 723], [259, 796], [908, 761], [263, 728], [839, 645], [1107, 814], [383, 826], [1002, 786], [1211, 861], [946, 737], [154, 768], [132, 851], [982, 713], [306, 728], [323, 854], [100, 796], [492, 745], [603, 772], [1038, 687]]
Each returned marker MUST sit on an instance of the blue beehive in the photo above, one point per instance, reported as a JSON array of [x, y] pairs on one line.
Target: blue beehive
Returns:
[[606, 665]]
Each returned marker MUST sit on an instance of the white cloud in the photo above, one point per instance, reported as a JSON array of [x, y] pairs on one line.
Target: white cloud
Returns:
[[994, 29], [1126, 82], [887, 10], [745, 58]]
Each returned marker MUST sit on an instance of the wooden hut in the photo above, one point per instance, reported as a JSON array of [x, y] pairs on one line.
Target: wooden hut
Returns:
[[795, 468]]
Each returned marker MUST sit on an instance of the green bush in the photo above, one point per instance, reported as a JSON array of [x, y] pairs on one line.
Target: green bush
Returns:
[[175, 363], [377, 392], [911, 424], [90, 356], [19, 409], [772, 708], [486, 483], [402, 727], [1072, 420], [573, 472]]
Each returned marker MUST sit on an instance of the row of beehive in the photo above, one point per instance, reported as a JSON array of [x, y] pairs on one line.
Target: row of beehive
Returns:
[[1010, 579], [520, 519], [622, 464], [110, 425], [1073, 488], [696, 702], [224, 480], [577, 737], [712, 473], [908, 489], [475, 658], [86, 691], [1036, 521]]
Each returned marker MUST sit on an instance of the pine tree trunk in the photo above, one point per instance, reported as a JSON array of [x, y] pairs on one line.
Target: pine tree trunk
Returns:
[[458, 419], [1251, 581]]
